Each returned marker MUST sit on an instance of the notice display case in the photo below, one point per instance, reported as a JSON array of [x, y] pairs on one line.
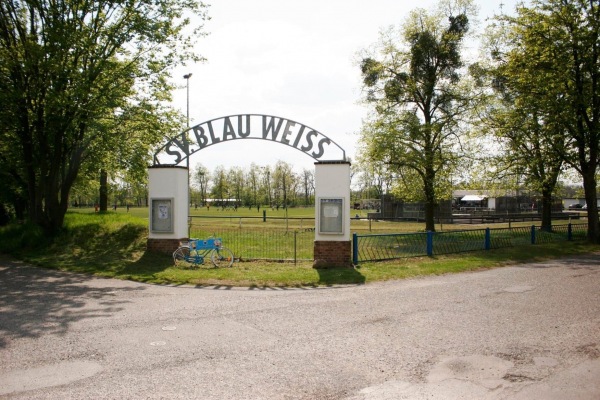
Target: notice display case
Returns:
[[331, 215], [161, 219]]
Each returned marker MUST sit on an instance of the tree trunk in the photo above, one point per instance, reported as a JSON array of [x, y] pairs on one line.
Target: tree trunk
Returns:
[[20, 205], [546, 210], [429, 203], [429, 182], [591, 199], [429, 216], [103, 190]]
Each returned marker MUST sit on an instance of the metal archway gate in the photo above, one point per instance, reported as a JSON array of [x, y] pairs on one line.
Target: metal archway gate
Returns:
[[249, 126], [169, 180]]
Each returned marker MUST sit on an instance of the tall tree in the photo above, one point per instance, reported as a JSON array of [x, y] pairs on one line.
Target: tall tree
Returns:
[[374, 178], [202, 178], [267, 185], [414, 86], [284, 181], [237, 183], [254, 183], [308, 185], [555, 50], [65, 66], [530, 141], [221, 187], [133, 133]]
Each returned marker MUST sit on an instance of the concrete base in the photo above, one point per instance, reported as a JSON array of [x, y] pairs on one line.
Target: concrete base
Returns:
[[332, 254]]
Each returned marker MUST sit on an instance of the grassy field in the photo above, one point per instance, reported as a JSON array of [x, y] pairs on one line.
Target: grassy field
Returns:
[[303, 217], [113, 245]]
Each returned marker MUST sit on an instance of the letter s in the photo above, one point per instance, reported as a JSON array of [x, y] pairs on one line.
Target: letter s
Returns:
[[309, 136], [177, 154], [321, 149]]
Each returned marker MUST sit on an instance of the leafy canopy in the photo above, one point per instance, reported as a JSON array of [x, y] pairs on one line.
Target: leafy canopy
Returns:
[[73, 74]]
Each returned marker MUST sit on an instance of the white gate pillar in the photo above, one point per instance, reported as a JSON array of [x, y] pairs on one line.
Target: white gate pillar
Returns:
[[168, 203], [333, 246]]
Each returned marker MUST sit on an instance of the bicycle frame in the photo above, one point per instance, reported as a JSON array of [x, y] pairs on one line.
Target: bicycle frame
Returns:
[[196, 250], [205, 244], [199, 249]]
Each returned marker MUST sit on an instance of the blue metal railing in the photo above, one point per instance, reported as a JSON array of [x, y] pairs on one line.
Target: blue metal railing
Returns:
[[381, 247]]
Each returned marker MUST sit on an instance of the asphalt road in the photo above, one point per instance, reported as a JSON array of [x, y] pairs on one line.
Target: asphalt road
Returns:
[[525, 332]]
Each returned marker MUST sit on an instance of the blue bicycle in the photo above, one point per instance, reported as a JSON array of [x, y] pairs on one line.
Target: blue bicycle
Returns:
[[195, 251]]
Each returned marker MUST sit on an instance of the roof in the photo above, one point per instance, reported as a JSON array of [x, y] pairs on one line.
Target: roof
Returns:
[[472, 197]]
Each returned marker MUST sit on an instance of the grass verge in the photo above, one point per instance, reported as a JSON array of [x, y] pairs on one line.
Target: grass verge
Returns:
[[113, 245]]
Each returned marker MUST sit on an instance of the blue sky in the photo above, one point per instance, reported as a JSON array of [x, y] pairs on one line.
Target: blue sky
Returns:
[[293, 59]]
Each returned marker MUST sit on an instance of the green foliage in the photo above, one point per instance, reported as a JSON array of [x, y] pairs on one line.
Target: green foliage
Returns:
[[414, 89], [20, 238], [545, 71], [105, 244], [74, 78]]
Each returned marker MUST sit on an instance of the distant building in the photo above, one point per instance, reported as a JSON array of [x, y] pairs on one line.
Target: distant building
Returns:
[[466, 202]]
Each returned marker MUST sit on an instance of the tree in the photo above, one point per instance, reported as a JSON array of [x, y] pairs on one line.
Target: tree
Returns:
[[202, 178], [284, 182], [417, 97], [531, 150], [220, 188], [134, 132], [237, 182], [68, 67], [555, 51], [267, 186], [254, 183], [374, 178], [531, 142], [308, 185]]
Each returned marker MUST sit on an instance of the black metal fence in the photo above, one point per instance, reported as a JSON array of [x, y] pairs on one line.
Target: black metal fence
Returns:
[[265, 244], [379, 247]]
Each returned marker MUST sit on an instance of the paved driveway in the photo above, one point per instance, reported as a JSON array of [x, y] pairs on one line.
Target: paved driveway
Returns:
[[525, 332]]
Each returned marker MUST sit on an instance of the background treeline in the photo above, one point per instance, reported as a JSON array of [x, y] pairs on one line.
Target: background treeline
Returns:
[[264, 185], [276, 185]]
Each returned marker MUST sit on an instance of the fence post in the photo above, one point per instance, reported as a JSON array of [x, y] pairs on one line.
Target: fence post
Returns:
[[264, 215], [488, 239], [354, 248], [570, 232], [295, 247], [532, 234], [429, 243]]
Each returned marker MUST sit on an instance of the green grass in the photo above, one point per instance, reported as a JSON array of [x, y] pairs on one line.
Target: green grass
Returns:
[[113, 245]]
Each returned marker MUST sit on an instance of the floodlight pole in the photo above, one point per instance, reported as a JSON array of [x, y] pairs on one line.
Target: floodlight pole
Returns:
[[187, 160], [187, 80], [187, 84]]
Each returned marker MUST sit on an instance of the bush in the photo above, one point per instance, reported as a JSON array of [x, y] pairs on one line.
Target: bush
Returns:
[[20, 238], [5, 215]]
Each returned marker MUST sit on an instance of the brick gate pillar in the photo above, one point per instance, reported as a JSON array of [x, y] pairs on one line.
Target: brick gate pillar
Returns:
[[332, 247], [168, 203]]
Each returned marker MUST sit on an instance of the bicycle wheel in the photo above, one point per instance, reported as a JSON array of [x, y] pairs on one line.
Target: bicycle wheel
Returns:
[[222, 257], [181, 257]]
